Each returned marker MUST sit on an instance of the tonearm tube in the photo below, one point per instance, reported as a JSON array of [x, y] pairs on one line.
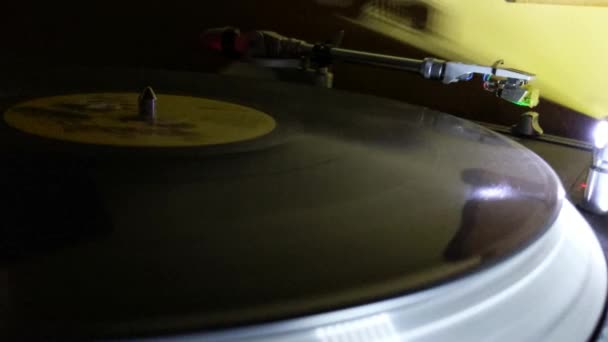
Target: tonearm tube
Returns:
[[508, 84]]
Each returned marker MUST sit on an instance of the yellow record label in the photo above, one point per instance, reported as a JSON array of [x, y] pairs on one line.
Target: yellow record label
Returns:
[[112, 119]]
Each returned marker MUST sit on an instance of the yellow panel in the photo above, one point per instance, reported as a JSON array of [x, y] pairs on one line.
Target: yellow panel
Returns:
[[112, 119], [564, 45], [566, 2]]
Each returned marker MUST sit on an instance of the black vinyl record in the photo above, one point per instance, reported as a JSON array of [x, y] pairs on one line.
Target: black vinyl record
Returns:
[[348, 200]]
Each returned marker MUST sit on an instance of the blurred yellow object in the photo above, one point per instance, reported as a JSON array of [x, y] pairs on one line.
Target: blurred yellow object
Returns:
[[565, 2], [565, 46]]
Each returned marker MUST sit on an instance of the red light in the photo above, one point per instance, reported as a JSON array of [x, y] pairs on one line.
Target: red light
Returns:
[[212, 41], [583, 185]]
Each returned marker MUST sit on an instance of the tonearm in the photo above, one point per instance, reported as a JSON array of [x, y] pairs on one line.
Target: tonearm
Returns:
[[508, 84]]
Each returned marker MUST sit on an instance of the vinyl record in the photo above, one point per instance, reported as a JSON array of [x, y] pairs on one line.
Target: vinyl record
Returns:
[[347, 200]]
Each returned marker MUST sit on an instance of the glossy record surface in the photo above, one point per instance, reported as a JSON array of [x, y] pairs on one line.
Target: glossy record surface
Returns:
[[351, 199]]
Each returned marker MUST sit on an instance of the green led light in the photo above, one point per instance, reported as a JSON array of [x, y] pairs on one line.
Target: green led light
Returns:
[[530, 98]]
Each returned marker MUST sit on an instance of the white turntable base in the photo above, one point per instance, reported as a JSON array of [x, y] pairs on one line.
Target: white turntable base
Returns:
[[554, 290]]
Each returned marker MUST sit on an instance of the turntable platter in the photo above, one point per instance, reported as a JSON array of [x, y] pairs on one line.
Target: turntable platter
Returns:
[[350, 199]]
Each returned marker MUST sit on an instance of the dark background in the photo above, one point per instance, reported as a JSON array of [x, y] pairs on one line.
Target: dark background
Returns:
[[164, 35]]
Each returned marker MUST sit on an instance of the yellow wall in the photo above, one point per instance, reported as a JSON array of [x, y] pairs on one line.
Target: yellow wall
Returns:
[[566, 46]]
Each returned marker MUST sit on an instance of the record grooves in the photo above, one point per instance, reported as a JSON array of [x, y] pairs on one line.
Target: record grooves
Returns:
[[350, 199]]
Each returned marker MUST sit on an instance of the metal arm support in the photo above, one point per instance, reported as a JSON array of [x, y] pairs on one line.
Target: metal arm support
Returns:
[[508, 84], [430, 68]]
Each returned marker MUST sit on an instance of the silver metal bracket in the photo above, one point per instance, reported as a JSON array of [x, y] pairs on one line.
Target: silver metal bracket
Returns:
[[457, 71]]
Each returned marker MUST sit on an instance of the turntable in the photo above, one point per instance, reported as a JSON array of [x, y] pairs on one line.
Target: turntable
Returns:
[[321, 213], [154, 204]]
